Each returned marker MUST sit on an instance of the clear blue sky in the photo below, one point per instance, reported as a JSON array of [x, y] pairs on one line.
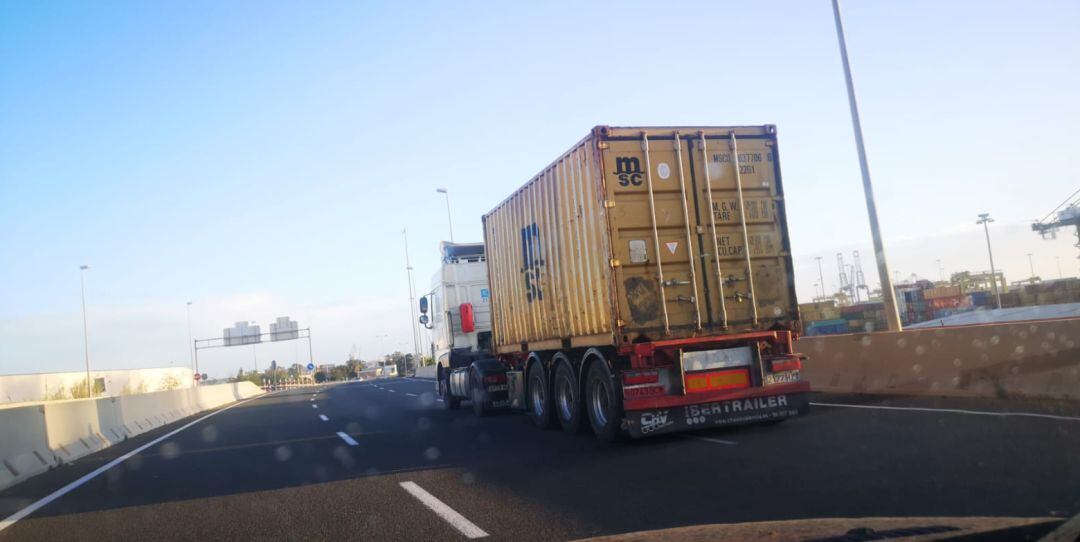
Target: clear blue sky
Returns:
[[261, 158]]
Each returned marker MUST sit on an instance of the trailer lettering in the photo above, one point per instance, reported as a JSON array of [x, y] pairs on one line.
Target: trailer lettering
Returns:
[[628, 170], [531, 262]]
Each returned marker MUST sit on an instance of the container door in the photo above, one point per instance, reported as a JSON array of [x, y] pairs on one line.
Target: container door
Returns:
[[687, 265], [654, 227]]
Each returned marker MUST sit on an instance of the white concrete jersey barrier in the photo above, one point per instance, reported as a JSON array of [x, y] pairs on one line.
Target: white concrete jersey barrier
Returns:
[[427, 371], [35, 438]]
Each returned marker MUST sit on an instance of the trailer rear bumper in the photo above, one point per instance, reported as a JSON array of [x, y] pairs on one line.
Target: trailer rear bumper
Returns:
[[700, 411]]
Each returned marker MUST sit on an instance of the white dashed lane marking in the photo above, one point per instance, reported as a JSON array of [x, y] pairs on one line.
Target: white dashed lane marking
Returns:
[[348, 440], [323, 417], [458, 521]]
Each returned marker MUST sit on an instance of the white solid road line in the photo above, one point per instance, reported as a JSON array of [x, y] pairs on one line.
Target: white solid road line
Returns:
[[458, 521], [348, 440], [955, 411], [10, 520], [323, 417], [717, 441]]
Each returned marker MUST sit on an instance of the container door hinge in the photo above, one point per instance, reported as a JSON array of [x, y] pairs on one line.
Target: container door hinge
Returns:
[[615, 263], [602, 145], [608, 204]]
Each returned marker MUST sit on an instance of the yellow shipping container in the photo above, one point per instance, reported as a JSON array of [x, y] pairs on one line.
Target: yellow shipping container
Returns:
[[614, 241]]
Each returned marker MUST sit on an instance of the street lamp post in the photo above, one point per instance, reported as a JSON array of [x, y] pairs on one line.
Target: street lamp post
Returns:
[[1031, 264], [888, 296], [86, 336], [449, 220], [821, 276], [191, 344], [984, 219], [412, 304]]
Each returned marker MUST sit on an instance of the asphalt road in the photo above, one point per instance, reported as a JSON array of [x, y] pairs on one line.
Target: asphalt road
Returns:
[[271, 468]]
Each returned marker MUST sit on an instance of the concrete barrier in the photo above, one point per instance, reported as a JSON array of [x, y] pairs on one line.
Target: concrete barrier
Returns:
[[1013, 359], [427, 371], [38, 437]]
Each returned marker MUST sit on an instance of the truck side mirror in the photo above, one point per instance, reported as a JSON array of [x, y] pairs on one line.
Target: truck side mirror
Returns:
[[423, 319], [423, 305]]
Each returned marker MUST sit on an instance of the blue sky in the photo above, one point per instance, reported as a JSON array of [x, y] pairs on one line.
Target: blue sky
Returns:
[[261, 158]]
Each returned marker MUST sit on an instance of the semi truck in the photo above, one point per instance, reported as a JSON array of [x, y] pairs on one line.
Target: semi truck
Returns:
[[640, 284]]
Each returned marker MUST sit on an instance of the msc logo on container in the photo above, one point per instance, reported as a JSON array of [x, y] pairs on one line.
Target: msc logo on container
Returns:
[[531, 262], [628, 170]]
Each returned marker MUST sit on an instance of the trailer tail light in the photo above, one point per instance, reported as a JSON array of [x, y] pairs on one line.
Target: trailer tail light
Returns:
[[717, 380], [786, 364], [499, 378], [637, 378], [468, 322]]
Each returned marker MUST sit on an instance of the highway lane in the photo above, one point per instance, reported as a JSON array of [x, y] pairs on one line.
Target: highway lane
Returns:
[[273, 468]]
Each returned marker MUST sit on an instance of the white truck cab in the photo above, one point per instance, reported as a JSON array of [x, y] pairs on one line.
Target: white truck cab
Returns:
[[458, 308]]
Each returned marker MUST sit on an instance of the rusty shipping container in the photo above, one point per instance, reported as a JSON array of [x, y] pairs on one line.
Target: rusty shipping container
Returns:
[[639, 234]]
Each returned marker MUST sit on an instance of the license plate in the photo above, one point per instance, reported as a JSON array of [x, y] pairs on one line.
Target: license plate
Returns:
[[786, 377], [500, 404], [497, 387]]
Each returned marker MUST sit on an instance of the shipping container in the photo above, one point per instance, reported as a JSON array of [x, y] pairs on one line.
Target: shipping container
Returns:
[[942, 291], [643, 234]]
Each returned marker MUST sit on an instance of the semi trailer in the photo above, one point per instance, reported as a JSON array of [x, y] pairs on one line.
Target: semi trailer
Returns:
[[641, 284]]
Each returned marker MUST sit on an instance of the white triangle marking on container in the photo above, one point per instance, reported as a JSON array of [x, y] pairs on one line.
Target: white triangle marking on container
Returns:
[[672, 246]]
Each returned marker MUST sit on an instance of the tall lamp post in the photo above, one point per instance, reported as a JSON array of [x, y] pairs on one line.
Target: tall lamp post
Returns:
[[888, 296], [821, 276], [984, 219], [1031, 264], [449, 220], [412, 305], [86, 336], [191, 345]]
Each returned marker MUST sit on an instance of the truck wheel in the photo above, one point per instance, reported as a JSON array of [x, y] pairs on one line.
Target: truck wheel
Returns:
[[567, 399], [603, 403], [539, 400], [477, 392], [449, 402]]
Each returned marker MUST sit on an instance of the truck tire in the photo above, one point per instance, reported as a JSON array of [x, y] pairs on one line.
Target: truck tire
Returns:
[[476, 391], [449, 402], [538, 396], [603, 403], [567, 399]]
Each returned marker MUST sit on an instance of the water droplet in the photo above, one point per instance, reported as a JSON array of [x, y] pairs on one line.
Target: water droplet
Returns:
[[957, 362], [353, 428], [423, 424], [431, 453], [282, 453], [1019, 350], [920, 350], [468, 477], [865, 340], [170, 450], [901, 342], [916, 368], [209, 433], [994, 339], [427, 399]]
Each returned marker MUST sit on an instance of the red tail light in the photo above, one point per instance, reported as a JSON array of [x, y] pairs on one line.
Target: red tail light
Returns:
[[786, 364], [495, 379], [636, 378]]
